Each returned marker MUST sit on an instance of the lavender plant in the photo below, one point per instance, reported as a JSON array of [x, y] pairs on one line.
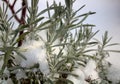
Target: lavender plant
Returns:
[[55, 49]]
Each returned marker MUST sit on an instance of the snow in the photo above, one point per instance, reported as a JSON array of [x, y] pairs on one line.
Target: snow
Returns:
[[81, 76], [35, 53], [1, 63], [90, 70], [9, 81], [20, 74], [84, 73], [113, 74]]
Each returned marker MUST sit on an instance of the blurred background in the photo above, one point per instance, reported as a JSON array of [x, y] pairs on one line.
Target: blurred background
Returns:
[[107, 18]]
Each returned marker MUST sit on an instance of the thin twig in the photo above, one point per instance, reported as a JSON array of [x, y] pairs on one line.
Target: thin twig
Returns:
[[23, 14], [14, 3], [12, 10], [21, 20]]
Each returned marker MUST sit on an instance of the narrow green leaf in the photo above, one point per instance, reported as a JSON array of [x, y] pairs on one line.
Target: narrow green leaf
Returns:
[[48, 10], [63, 44], [45, 10], [90, 13], [21, 37], [113, 44], [77, 11], [117, 51]]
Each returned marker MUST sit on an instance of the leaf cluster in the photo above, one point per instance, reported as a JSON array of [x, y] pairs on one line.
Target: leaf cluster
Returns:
[[69, 42]]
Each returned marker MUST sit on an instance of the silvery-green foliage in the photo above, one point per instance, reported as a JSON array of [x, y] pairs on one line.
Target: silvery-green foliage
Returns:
[[67, 47]]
